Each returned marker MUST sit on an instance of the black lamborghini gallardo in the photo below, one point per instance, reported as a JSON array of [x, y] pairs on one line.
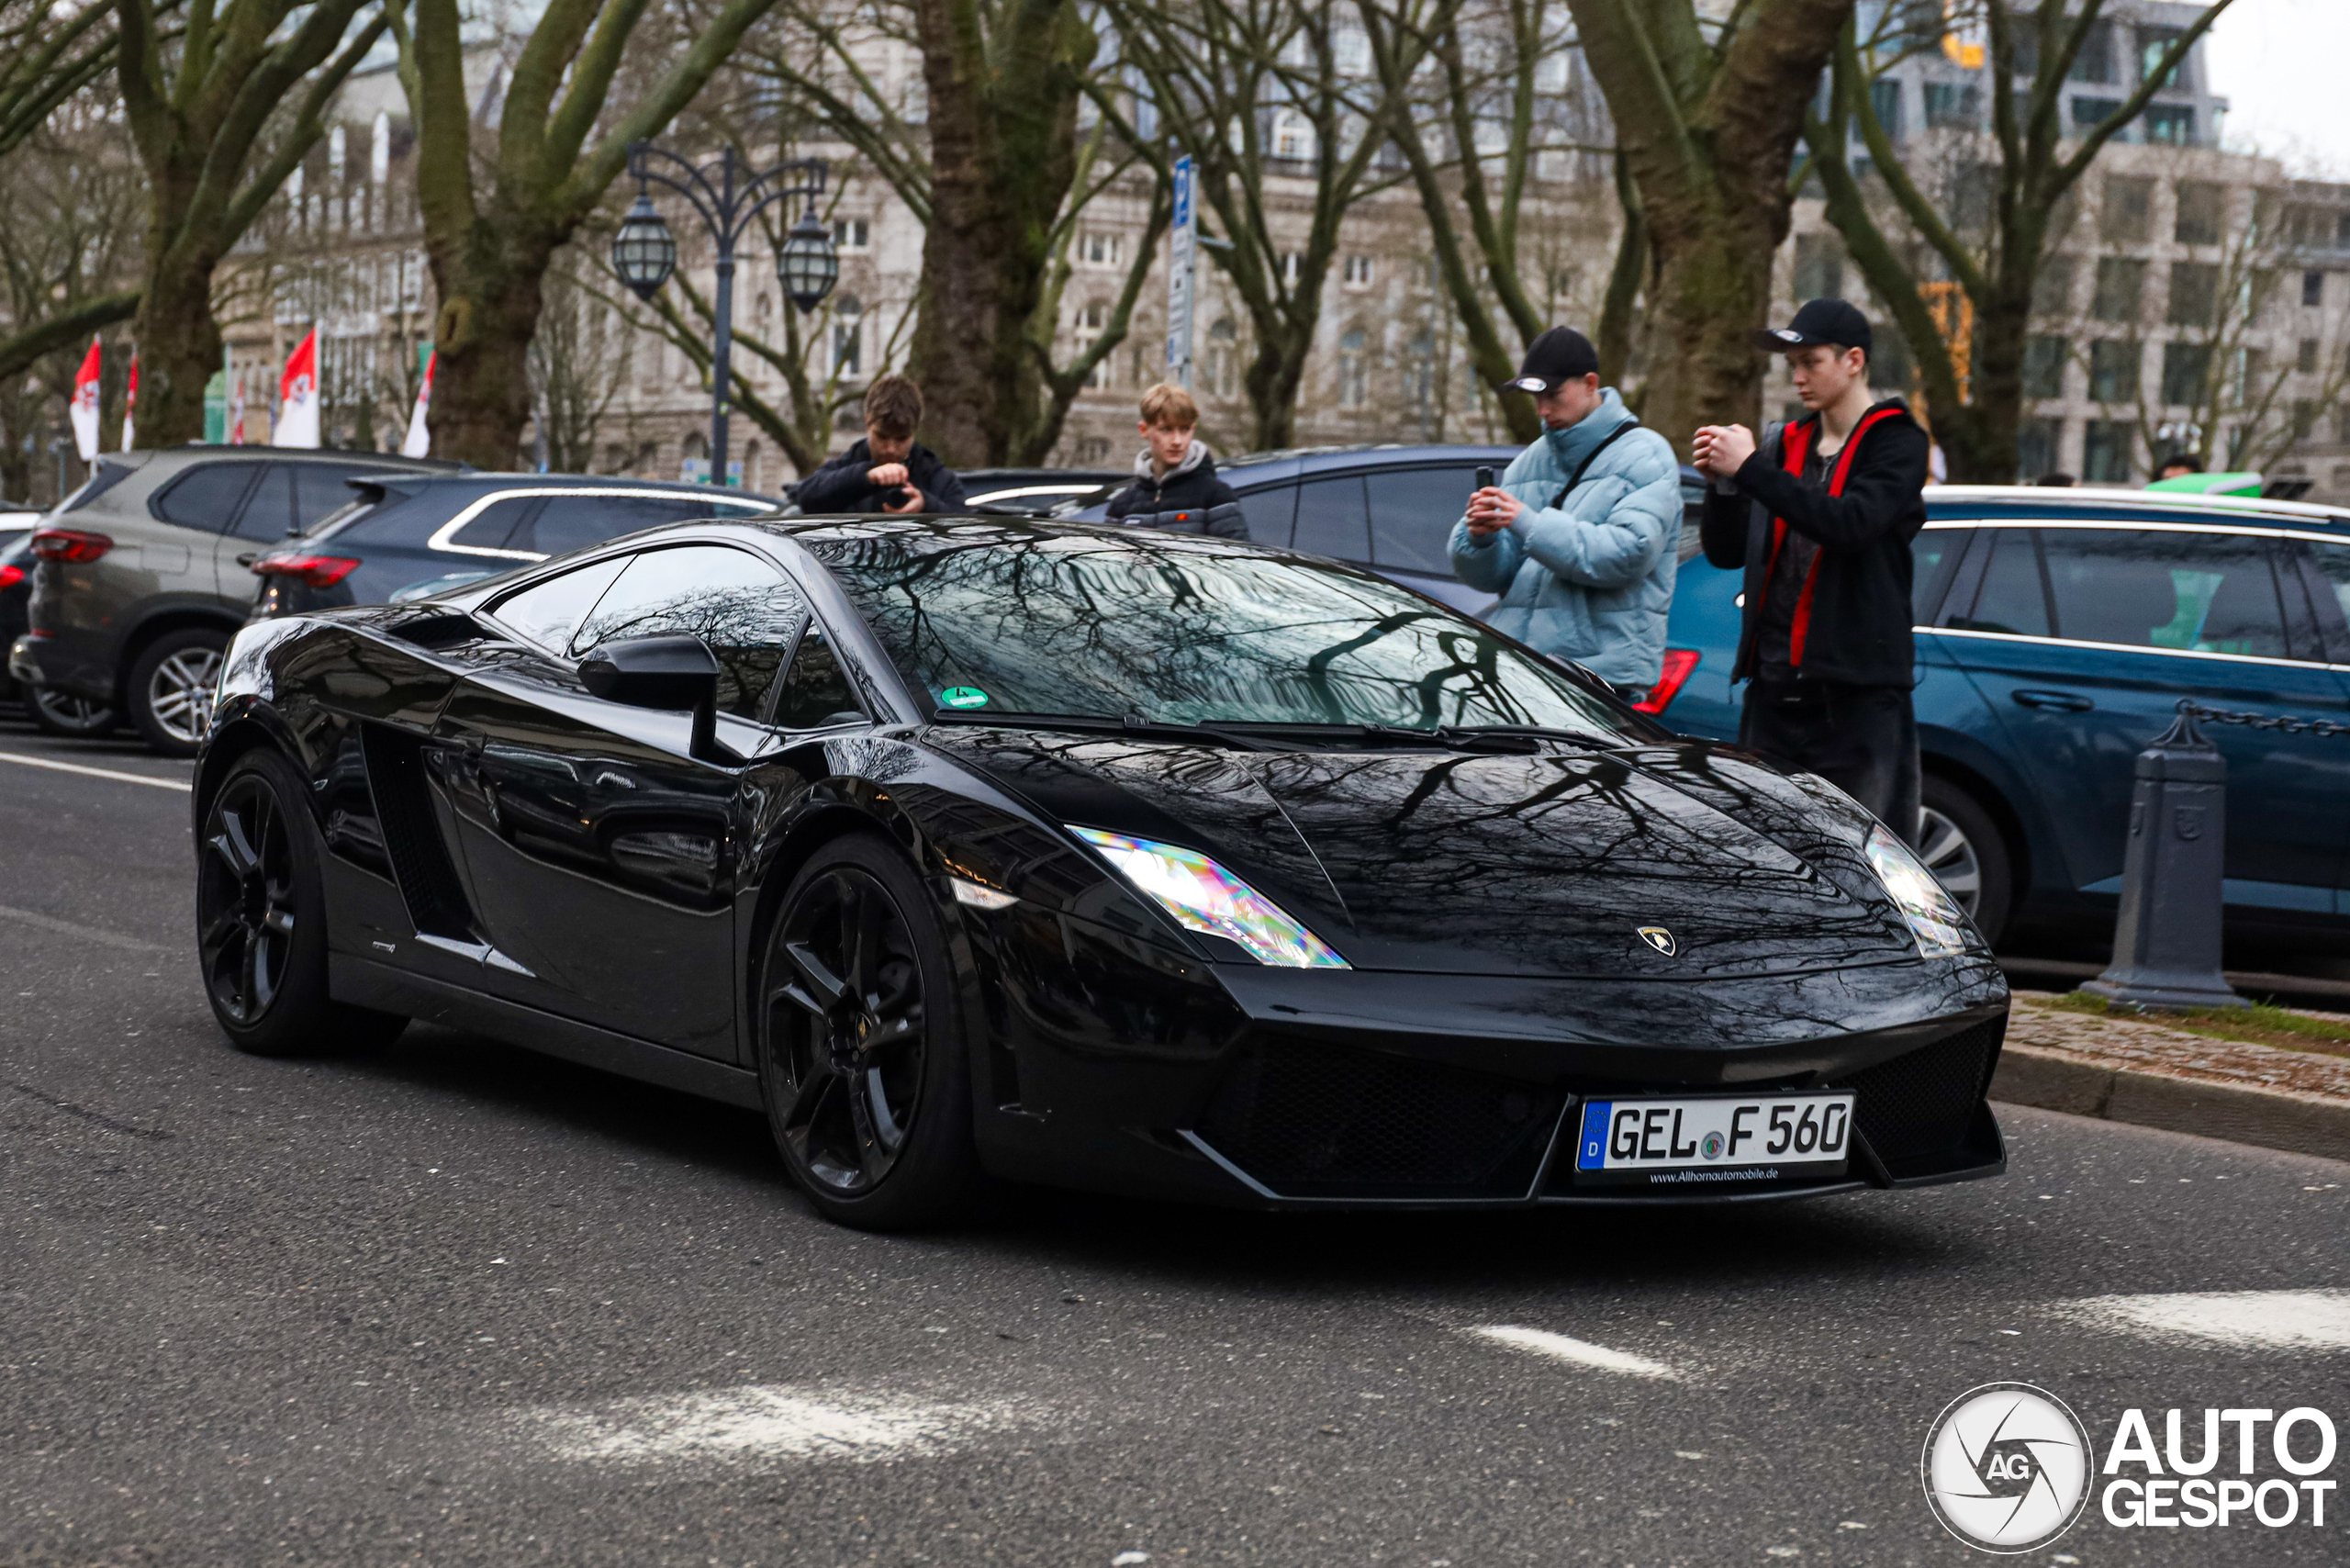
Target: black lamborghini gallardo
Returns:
[[1089, 855]]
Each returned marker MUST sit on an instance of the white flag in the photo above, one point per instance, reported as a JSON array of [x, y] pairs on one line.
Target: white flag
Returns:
[[297, 408], [84, 407], [420, 440]]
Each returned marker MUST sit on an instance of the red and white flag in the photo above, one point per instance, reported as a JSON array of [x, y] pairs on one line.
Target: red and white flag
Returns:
[[236, 413], [130, 405], [298, 396], [85, 407], [420, 440]]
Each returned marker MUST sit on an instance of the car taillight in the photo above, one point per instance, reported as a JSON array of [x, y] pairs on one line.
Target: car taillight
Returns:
[[73, 547], [319, 571], [1678, 662], [11, 576]]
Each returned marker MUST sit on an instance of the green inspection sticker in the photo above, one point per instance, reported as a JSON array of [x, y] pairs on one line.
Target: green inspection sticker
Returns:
[[964, 697]]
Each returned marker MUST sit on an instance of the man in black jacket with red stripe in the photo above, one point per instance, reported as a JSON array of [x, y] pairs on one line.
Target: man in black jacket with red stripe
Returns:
[[1820, 517]]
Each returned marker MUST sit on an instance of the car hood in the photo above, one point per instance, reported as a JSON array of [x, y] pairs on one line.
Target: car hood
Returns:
[[1547, 864]]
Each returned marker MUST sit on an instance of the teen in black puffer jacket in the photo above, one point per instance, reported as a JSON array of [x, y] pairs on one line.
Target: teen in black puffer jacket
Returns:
[[1188, 498]]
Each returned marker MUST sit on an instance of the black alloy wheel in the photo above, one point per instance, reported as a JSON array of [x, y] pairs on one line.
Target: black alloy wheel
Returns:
[[261, 920], [75, 718], [860, 1061]]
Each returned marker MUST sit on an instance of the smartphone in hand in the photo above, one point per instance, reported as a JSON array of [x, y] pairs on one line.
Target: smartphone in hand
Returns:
[[1484, 478]]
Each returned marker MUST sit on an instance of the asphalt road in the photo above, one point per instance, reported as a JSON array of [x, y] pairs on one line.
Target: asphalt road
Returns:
[[455, 1304]]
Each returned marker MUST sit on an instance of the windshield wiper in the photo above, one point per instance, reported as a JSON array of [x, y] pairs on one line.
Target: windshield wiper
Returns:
[[1516, 739], [1133, 726]]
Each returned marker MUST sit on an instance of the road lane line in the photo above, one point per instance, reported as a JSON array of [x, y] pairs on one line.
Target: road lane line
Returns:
[[757, 1421], [1580, 1352], [2248, 1320], [81, 932], [97, 772]]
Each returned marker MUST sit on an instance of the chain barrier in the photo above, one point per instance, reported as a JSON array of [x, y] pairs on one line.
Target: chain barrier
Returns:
[[2190, 709]]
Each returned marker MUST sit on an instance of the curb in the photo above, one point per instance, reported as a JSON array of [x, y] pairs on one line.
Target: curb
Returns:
[[2270, 1118]]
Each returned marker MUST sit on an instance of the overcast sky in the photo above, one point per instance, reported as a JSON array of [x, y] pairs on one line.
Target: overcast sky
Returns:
[[2284, 65]]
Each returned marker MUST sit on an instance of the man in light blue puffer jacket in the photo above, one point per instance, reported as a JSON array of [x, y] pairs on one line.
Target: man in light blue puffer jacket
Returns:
[[1587, 577]]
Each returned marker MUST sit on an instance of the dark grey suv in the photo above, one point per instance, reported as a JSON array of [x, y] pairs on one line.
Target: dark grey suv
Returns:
[[138, 586]]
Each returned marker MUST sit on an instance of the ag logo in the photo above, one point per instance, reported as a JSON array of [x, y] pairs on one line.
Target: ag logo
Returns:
[[2007, 1467], [1658, 937]]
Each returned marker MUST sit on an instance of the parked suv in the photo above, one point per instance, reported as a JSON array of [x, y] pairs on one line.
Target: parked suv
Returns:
[[2056, 631], [138, 587], [402, 536]]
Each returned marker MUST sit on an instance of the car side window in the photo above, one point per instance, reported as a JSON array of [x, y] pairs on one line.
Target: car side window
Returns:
[[495, 526], [1268, 513], [1412, 514], [574, 522], [322, 490], [548, 612], [1934, 554], [2012, 597], [1331, 519], [2205, 593], [207, 496], [742, 606], [816, 691], [2333, 564], [269, 513]]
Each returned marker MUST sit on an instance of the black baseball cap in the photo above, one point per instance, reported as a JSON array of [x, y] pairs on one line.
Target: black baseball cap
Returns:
[[1820, 321], [1559, 356]]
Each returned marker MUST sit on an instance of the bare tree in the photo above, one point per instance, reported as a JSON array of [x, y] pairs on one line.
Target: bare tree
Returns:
[[580, 360], [1708, 125], [1975, 393]]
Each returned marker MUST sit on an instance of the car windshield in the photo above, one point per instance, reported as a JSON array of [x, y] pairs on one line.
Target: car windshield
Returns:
[[985, 619]]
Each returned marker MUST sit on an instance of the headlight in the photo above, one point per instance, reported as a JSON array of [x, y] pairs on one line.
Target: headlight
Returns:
[[1203, 896], [1932, 914]]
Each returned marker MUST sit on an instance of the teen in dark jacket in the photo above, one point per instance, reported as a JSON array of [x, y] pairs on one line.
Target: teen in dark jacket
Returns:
[[1175, 486], [889, 470], [1821, 518]]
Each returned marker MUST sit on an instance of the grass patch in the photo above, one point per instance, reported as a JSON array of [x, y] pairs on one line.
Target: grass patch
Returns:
[[2262, 1024]]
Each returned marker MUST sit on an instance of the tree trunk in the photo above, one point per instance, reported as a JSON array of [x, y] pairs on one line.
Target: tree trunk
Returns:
[[1713, 287], [490, 286], [1617, 314], [179, 349], [1002, 152]]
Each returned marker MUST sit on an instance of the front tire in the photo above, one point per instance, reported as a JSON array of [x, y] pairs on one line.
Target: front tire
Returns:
[[74, 717], [1964, 849], [261, 921], [861, 1057], [170, 689]]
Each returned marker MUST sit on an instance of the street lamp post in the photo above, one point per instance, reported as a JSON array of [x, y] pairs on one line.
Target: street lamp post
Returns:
[[727, 196]]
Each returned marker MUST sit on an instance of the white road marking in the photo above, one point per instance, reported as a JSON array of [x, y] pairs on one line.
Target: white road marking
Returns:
[[1559, 1348], [756, 1422], [181, 786], [2251, 1321], [79, 933]]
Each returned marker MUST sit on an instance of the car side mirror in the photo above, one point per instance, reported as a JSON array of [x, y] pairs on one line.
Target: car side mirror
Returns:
[[659, 672]]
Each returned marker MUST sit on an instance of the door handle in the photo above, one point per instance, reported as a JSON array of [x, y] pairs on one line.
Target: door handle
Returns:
[[2062, 702]]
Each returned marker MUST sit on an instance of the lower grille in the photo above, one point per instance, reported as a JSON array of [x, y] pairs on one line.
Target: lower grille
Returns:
[[1917, 1111], [1313, 1122]]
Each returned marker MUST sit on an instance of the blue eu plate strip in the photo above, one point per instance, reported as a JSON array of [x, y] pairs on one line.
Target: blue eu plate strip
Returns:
[[1590, 1149]]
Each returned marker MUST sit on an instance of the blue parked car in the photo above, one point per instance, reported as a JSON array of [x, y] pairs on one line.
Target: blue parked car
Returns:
[[2056, 631]]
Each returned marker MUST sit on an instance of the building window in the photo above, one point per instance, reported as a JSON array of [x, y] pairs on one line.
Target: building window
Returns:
[[2120, 290], [1290, 262], [2038, 441], [1884, 102], [2113, 370], [1950, 106], [852, 233], [1101, 249], [2095, 62], [1359, 272], [2304, 418], [2052, 291], [2090, 113], [1354, 372], [848, 336], [2341, 232], [2152, 44], [2187, 368], [1819, 267], [1092, 318], [2201, 213], [2129, 210], [1293, 136], [2305, 360], [2171, 125], [2043, 366], [2107, 449], [1224, 357], [2313, 289], [2194, 294]]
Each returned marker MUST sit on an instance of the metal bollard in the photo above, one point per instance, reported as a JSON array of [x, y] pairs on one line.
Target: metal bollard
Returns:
[[2166, 940]]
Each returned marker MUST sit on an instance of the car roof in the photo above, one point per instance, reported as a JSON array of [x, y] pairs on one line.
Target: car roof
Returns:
[[1292, 461], [1955, 502]]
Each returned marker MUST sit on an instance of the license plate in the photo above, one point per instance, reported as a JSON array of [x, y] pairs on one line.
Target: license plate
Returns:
[[1717, 1140]]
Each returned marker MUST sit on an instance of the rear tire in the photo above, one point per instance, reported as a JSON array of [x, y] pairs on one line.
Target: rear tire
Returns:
[[261, 921], [1963, 846], [74, 717], [861, 1057], [171, 686]]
